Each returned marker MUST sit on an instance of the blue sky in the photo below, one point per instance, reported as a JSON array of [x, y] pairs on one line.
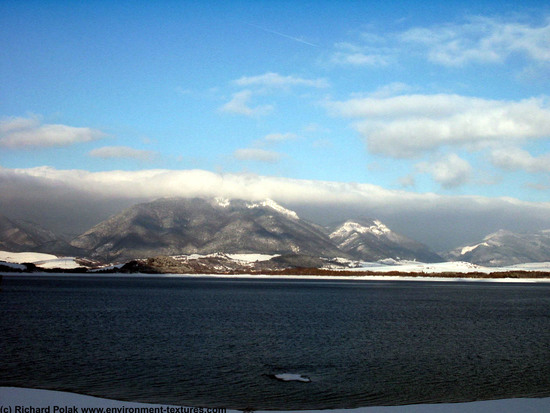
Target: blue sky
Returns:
[[447, 98]]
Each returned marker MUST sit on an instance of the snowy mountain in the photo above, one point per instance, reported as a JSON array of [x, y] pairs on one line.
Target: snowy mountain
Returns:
[[372, 241], [505, 248], [183, 226], [203, 226]]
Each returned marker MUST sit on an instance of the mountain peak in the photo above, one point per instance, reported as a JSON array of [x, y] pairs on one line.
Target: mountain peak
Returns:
[[204, 226], [349, 227], [266, 203], [497, 234], [371, 240]]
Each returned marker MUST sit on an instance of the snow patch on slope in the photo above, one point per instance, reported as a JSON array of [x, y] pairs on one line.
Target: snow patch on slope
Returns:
[[466, 250], [274, 205], [223, 202]]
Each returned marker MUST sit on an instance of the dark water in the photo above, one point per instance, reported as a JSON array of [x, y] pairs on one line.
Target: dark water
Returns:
[[216, 342]]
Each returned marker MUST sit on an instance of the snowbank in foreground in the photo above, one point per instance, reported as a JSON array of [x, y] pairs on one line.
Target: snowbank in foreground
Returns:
[[14, 396]]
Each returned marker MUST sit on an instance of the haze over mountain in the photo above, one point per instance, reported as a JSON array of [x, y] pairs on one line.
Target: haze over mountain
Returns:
[[19, 235]]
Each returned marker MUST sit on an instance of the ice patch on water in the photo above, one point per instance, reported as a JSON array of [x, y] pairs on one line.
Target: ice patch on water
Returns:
[[292, 377]]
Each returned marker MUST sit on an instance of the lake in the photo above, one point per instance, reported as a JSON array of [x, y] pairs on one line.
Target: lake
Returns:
[[219, 342]]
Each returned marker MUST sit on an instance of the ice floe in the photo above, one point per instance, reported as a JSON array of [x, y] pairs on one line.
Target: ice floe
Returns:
[[292, 377]]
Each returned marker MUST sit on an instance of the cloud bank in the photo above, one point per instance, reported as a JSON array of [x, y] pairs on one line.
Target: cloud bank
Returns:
[[74, 200]]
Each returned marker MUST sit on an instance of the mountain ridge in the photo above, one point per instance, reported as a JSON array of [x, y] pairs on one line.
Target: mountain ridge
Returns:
[[505, 247], [173, 226]]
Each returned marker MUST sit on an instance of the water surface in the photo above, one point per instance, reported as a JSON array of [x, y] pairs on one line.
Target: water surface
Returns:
[[219, 342]]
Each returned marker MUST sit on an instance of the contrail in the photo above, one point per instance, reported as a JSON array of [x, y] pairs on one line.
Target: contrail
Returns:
[[296, 39]]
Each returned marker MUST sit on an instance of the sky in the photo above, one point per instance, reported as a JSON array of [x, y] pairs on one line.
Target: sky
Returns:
[[434, 116]]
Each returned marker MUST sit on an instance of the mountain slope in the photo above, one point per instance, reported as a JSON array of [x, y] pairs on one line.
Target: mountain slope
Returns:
[[19, 236], [505, 248], [187, 226], [372, 241]]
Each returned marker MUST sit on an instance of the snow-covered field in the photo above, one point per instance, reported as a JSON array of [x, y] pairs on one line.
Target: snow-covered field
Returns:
[[250, 258], [39, 259], [10, 397], [440, 267], [347, 267]]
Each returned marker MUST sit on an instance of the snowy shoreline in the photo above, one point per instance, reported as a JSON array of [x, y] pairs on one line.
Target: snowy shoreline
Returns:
[[349, 277], [24, 398]]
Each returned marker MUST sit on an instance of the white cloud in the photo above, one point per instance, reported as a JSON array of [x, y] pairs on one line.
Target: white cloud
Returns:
[[359, 59], [261, 84], [113, 152], [481, 40], [358, 55], [538, 186], [514, 158], [239, 104], [279, 137], [407, 181], [408, 125], [275, 80], [451, 171], [256, 154], [29, 132], [390, 89]]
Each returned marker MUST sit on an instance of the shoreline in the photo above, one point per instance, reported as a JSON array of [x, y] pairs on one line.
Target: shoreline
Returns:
[[67, 402], [434, 277]]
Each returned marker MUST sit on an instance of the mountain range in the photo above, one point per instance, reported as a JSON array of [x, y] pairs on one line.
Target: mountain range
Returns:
[[184, 226]]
